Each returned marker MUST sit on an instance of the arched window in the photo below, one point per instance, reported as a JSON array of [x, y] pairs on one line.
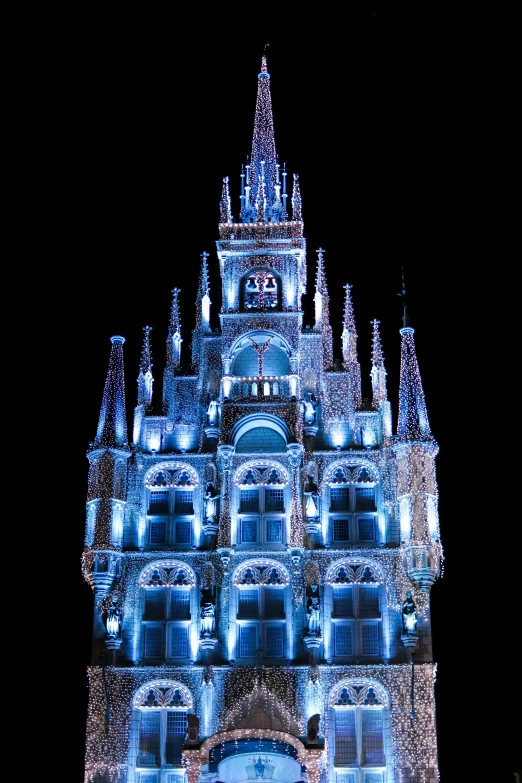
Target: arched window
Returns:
[[161, 710], [353, 603], [261, 511], [167, 594], [352, 507], [170, 507], [261, 612], [358, 734]]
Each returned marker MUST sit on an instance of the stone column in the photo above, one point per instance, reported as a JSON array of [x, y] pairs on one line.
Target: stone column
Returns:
[[295, 454], [226, 453]]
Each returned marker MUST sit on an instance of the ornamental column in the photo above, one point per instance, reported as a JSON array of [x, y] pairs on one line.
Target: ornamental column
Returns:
[[295, 455], [225, 453]]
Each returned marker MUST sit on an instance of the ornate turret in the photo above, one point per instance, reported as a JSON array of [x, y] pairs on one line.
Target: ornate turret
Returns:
[[349, 341], [145, 383], [112, 423], [378, 375], [416, 450], [173, 358], [107, 482], [322, 311], [263, 196]]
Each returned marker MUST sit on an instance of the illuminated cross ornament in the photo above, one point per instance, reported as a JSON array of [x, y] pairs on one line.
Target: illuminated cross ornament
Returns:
[[260, 351]]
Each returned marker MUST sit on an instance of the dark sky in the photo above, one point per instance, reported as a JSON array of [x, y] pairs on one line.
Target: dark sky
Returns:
[[379, 128]]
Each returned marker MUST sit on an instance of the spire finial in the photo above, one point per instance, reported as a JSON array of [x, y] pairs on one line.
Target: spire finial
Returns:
[[405, 319]]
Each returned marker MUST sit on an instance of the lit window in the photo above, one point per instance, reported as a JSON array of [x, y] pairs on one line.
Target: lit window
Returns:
[[261, 620], [358, 735], [352, 514], [166, 617], [261, 516], [160, 728], [170, 512], [261, 612]]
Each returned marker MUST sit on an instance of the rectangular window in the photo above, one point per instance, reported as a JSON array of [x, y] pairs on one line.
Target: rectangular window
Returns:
[[249, 501], [179, 603], [183, 502], [366, 529], [149, 742], [343, 639], [345, 740], [158, 531], [274, 500], [369, 601], [154, 604], [159, 501], [182, 531], [274, 605], [249, 531], [342, 601], [274, 531], [341, 529], [154, 641], [345, 777], [247, 641], [340, 499], [369, 639], [248, 608], [372, 738], [147, 777], [273, 641], [178, 641], [364, 499], [353, 608], [176, 730]]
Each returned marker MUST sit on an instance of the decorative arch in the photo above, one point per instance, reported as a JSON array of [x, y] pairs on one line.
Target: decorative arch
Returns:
[[257, 707], [260, 336], [167, 573], [171, 474], [267, 734], [358, 471], [260, 571], [166, 694], [263, 471], [256, 420], [359, 691], [354, 570]]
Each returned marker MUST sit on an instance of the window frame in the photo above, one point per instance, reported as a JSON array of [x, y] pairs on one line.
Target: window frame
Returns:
[[172, 520], [261, 623], [166, 623], [356, 624], [262, 518], [352, 516]]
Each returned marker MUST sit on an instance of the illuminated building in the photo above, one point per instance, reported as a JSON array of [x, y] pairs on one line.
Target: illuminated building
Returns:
[[262, 552]]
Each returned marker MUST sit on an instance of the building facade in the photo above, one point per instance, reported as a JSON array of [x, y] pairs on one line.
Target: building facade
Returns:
[[262, 550]]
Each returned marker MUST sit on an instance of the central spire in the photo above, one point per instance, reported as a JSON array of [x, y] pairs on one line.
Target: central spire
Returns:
[[264, 171]]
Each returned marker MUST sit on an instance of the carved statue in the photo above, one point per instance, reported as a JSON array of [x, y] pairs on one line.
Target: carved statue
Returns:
[[311, 494], [213, 412], [409, 614], [207, 613], [312, 728], [114, 616], [211, 501], [192, 728], [308, 404], [313, 611]]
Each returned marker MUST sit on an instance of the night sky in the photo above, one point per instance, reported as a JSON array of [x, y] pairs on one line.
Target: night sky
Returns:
[[378, 129]]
